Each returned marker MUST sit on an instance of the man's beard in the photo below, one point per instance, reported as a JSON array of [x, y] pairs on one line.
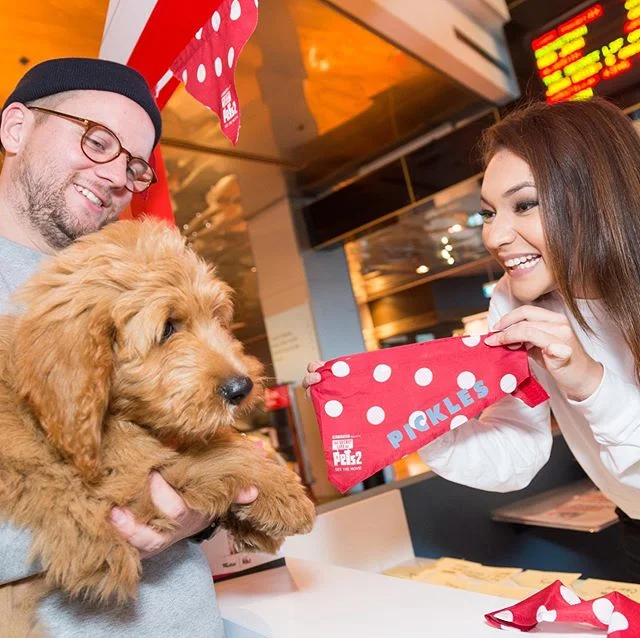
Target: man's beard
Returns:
[[44, 206]]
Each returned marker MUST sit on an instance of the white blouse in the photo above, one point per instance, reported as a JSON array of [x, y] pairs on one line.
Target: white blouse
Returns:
[[507, 445]]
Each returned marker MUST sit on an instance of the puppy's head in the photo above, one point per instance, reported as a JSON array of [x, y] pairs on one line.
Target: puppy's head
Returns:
[[130, 321]]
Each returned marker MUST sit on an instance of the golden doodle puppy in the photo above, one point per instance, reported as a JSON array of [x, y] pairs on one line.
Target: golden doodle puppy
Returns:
[[121, 362]]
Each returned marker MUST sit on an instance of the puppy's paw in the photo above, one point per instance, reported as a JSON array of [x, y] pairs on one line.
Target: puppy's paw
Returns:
[[162, 524], [300, 516], [281, 509], [247, 538]]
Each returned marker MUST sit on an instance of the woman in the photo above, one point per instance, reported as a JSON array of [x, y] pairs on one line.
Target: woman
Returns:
[[561, 208]]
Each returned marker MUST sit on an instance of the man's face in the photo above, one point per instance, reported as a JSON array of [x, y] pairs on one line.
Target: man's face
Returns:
[[66, 194]]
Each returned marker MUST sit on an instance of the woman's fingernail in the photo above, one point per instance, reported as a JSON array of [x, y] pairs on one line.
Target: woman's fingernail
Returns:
[[491, 340]]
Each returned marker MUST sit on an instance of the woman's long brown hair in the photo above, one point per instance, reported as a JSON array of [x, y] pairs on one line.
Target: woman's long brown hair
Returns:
[[585, 160]]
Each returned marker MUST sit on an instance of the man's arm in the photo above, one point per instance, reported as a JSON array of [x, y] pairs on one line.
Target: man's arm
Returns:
[[15, 546]]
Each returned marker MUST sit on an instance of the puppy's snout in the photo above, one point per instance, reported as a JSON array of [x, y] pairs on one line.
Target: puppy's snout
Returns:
[[235, 389]]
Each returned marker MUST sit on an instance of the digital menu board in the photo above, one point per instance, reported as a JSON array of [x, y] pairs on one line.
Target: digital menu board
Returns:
[[594, 50]]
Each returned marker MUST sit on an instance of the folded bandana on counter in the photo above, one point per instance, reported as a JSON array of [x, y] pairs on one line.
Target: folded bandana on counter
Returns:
[[374, 408], [617, 614]]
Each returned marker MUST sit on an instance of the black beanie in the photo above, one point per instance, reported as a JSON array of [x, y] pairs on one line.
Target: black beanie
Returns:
[[86, 74]]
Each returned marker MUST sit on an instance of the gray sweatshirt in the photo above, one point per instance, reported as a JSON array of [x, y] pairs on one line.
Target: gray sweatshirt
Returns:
[[176, 597]]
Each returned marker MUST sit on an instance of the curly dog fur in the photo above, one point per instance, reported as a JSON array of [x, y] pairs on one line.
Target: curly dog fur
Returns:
[[118, 364]]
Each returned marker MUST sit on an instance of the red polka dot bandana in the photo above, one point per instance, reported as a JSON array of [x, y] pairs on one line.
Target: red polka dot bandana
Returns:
[[207, 66], [374, 408], [618, 615]]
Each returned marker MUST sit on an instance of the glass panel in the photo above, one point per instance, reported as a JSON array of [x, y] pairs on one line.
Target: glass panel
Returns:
[[209, 211], [439, 236], [325, 93]]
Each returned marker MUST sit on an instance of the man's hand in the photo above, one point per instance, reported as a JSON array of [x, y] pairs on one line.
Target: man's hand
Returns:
[[169, 502]]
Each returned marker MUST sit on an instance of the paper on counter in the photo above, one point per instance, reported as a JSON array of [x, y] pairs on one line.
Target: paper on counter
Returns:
[[475, 571], [593, 588], [410, 569], [536, 579]]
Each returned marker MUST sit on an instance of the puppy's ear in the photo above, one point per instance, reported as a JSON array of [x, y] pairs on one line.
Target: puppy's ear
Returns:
[[63, 371]]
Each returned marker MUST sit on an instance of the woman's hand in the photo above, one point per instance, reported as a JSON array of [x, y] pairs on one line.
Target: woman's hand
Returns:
[[312, 376], [554, 345], [149, 541]]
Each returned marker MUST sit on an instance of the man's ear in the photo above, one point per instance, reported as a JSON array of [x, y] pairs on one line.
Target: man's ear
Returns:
[[16, 123]]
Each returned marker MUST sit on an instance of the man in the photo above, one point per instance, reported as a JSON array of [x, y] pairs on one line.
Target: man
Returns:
[[77, 135]]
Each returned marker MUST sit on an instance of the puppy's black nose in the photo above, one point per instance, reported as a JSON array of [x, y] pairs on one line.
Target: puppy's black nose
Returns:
[[235, 389]]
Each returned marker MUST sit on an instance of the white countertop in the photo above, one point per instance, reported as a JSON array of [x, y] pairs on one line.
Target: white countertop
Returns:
[[306, 599]]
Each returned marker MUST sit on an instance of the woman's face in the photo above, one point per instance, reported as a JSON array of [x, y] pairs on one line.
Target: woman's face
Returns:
[[512, 230]]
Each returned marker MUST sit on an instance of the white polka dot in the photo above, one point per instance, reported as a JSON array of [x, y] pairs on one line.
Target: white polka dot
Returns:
[[466, 380], [546, 615], [569, 596], [218, 66], [505, 615], [199, 34], [375, 415], [602, 608], [202, 73], [618, 622], [508, 383], [340, 369], [423, 376], [471, 341], [236, 10], [184, 76], [457, 421], [231, 56], [215, 21], [382, 373], [333, 408], [256, 1]]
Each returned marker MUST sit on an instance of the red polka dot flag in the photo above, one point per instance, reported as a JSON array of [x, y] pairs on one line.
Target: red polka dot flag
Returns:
[[615, 613], [207, 66], [376, 407]]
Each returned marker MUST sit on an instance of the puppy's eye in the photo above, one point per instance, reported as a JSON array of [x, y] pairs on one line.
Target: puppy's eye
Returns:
[[168, 330]]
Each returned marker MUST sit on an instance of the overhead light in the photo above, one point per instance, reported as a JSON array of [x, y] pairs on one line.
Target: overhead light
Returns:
[[444, 253], [316, 61], [422, 270], [475, 219], [445, 240], [487, 289], [451, 261], [254, 269], [456, 228], [449, 247]]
